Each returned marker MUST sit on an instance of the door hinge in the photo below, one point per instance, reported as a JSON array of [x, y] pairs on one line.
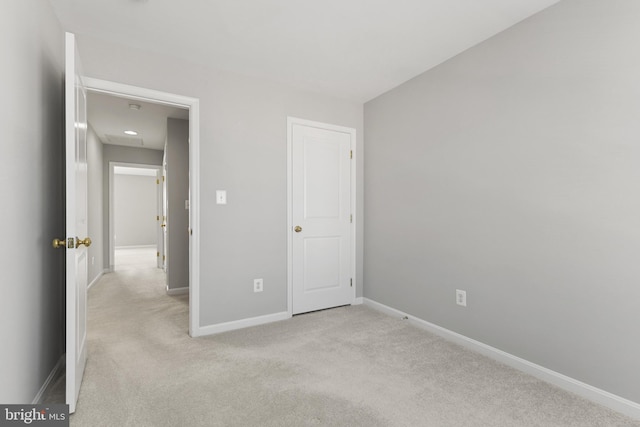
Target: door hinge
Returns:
[[158, 181], [162, 178], [164, 258], [158, 254], [351, 154], [351, 218], [351, 280], [157, 217]]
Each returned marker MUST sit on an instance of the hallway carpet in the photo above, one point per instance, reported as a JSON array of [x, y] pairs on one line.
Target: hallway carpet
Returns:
[[349, 366]]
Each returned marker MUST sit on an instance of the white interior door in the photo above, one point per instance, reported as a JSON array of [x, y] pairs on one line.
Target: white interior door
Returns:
[[76, 222], [164, 212], [160, 218], [321, 241]]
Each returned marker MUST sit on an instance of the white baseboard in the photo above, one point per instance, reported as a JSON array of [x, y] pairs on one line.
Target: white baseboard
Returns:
[[602, 397], [95, 280], [358, 301], [45, 386], [178, 291], [240, 324]]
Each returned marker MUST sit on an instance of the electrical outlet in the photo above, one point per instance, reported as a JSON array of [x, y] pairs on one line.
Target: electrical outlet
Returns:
[[257, 285], [461, 297]]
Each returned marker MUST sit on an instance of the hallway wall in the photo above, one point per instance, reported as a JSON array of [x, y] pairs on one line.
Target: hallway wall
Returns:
[[135, 210], [97, 220], [31, 117], [177, 175]]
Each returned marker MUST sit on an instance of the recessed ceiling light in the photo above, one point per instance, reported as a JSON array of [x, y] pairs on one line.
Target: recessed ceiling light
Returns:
[[131, 132], [135, 106]]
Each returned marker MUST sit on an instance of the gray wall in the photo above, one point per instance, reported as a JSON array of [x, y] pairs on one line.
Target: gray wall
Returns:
[[177, 176], [135, 209], [511, 172], [243, 149], [96, 218], [32, 194], [116, 153]]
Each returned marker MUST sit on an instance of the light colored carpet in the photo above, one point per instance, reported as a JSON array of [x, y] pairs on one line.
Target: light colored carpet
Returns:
[[135, 258], [349, 366]]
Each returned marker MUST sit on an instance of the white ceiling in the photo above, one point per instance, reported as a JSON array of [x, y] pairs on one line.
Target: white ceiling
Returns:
[[110, 116], [353, 49]]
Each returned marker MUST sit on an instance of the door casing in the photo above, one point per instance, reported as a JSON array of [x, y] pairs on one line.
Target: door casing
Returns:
[[193, 104], [291, 121]]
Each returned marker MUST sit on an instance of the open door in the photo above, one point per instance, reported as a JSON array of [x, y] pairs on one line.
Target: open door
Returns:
[[164, 210], [160, 219], [76, 222]]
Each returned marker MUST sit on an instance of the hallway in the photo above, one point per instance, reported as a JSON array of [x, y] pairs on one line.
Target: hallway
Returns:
[[119, 297]]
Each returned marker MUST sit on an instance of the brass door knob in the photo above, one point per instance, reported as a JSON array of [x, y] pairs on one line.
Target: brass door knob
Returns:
[[59, 243], [86, 242], [297, 229]]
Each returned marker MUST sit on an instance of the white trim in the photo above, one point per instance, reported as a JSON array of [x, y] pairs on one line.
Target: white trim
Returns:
[[136, 247], [289, 216], [193, 104], [137, 93], [244, 323], [354, 226], [95, 280], [134, 171], [45, 386], [602, 397], [178, 291], [194, 218]]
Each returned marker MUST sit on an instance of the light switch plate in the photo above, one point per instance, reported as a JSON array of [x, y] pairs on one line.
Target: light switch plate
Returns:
[[221, 197]]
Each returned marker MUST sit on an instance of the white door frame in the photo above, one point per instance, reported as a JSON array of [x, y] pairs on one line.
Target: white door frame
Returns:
[[291, 121], [193, 104], [112, 228]]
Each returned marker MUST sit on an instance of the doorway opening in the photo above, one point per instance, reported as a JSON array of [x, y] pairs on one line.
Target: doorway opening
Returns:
[[191, 197], [136, 217]]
